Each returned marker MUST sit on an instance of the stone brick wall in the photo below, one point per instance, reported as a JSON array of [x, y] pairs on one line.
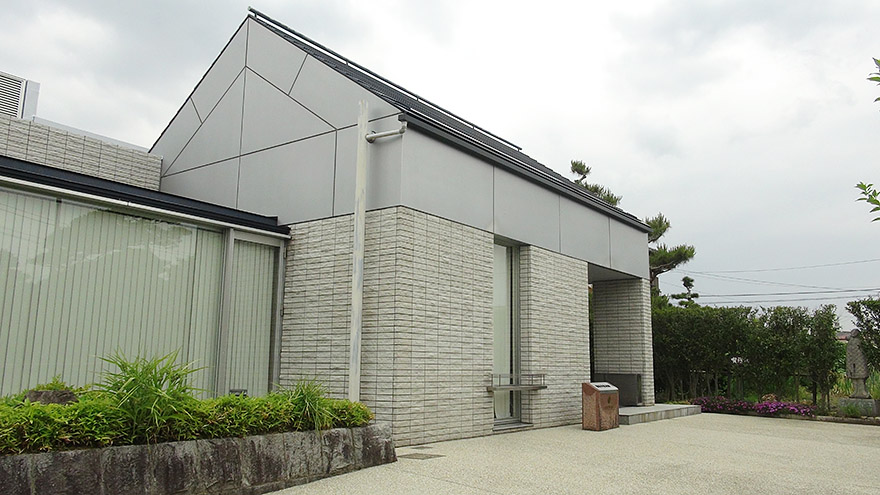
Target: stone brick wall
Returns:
[[554, 334], [252, 465], [45, 145], [622, 340], [427, 336]]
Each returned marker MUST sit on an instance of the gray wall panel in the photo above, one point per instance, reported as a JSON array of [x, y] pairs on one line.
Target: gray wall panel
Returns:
[[584, 233], [272, 57], [271, 117], [179, 132], [629, 250], [526, 212], [219, 137], [440, 179], [383, 172], [215, 183], [333, 97], [294, 181], [224, 71]]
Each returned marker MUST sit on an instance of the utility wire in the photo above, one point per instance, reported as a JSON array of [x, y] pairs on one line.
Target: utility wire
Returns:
[[775, 301], [805, 267], [754, 294], [761, 282]]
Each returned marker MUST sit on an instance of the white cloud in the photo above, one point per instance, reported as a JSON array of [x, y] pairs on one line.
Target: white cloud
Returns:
[[746, 122]]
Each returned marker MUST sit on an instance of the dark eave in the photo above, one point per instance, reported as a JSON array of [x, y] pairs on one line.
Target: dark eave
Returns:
[[448, 127], [86, 184]]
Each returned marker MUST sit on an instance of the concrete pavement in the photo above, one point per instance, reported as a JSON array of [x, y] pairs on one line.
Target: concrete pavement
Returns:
[[705, 454]]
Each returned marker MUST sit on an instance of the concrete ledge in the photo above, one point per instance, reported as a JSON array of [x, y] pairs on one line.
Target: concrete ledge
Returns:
[[250, 465], [636, 415]]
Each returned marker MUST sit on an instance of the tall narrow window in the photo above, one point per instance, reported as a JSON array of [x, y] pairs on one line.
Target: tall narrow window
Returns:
[[505, 362]]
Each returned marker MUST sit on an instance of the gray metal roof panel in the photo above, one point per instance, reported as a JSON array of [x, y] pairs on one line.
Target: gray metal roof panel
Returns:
[[423, 110]]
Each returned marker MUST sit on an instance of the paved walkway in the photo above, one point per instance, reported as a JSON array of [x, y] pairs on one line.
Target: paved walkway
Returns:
[[703, 454]]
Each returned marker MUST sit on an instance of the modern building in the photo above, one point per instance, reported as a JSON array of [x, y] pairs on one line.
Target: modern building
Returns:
[[471, 311]]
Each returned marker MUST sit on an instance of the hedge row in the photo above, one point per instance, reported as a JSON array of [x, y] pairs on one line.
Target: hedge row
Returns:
[[96, 421], [150, 401]]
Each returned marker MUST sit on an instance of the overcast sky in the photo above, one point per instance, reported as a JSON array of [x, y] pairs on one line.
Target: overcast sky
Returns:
[[747, 123]]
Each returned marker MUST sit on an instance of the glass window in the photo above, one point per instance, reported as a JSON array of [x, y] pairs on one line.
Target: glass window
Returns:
[[82, 282]]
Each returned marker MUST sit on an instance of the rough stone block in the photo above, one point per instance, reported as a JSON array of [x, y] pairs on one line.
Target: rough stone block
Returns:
[[295, 443], [15, 474], [373, 445], [126, 470], [263, 459], [175, 467], [317, 465], [336, 445], [75, 471], [219, 464]]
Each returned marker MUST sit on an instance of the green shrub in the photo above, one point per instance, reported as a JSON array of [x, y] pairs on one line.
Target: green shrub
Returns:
[[873, 384], [851, 411], [149, 400], [347, 414], [56, 384]]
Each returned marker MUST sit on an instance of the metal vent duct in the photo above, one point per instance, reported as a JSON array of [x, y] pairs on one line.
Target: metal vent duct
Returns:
[[18, 97]]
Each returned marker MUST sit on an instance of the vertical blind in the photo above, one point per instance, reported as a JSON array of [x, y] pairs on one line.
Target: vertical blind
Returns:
[[80, 283], [253, 290]]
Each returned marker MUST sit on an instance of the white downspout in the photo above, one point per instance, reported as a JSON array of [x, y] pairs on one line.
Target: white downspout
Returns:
[[357, 257]]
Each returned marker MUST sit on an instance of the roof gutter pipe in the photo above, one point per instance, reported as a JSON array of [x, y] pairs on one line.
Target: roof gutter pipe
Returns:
[[357, 250]]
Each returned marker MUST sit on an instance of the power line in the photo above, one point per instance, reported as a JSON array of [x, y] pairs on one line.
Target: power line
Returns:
[[805, 267], [759, 282], [754, 294], [777, 301]]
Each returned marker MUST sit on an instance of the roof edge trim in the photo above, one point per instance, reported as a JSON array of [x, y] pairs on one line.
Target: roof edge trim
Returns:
[[115, 192]]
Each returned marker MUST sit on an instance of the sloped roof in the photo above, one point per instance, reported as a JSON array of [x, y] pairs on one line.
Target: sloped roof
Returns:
[[445, 125]]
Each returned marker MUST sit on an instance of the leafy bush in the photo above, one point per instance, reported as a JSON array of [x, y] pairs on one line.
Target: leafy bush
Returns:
[[851, 411], [723, 405], [766, 408], [867, 314], [347, 414], [742, 351], [149, 400], [775, 408]]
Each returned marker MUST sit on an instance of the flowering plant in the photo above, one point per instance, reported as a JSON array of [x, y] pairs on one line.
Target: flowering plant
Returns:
[[766, 408]]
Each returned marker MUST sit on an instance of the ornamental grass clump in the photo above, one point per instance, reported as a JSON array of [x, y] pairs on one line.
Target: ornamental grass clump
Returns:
[[154, 395]]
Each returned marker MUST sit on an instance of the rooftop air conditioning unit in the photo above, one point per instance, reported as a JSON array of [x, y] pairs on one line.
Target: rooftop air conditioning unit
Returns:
[[18, 97]]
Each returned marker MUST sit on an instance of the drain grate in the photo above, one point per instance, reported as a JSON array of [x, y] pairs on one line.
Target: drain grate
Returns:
[[419, 457], [422, 447]]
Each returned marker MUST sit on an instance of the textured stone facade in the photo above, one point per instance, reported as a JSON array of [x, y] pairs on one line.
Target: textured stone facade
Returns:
[[622, 340], [46, 145], [428, 332], [554, 334], [427, 336]]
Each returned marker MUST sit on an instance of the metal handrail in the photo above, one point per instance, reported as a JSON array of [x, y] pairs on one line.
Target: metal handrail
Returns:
[[517, 381]]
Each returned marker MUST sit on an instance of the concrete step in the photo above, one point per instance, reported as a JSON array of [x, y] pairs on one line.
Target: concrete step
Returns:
[[645, 414]]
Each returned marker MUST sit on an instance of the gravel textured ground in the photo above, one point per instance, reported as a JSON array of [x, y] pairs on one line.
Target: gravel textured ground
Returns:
[[707, 453]]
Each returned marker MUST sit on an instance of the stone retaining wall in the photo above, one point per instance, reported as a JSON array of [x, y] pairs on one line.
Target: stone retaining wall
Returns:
[[249, 465]]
